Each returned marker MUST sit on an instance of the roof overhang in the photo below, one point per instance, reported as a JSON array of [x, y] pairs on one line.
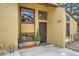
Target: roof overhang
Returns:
[[52, 4]]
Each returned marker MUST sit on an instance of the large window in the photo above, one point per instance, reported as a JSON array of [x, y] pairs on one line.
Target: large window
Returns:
[[27, 15], [42, 15]]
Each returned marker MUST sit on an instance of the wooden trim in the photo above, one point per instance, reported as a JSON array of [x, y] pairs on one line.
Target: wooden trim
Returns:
[[28, 23], [53, 4], [43, 21], [26, 8], [27, 32], [26, 40], [50, 4]]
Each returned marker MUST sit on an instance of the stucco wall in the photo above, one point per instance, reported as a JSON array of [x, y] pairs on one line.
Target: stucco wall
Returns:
[[56, 26], [9, 25]]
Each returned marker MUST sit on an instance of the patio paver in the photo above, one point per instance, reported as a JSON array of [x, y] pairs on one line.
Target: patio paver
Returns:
[[47, 50]]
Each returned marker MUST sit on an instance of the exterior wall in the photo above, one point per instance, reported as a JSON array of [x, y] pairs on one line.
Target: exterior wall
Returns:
[[56, 26], [55, 30], [9, 25], [73, 26]]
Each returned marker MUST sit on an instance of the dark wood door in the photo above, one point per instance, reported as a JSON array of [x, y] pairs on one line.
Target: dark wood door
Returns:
[[43, 31]]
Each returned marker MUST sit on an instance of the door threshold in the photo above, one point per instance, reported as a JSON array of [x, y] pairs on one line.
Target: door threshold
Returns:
[[43, 44]]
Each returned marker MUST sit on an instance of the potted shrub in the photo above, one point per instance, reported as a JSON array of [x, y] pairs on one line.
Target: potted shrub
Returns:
[[21, 38], [37, 38]]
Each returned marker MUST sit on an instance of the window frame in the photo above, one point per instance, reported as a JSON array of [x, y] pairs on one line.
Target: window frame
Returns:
[[43, 12], [33, 15]]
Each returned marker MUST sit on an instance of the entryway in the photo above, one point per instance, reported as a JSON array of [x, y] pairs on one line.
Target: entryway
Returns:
[[43, 32]]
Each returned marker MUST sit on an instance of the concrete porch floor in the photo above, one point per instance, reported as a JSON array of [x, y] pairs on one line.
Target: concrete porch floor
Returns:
[[74, 45], [46, 50]]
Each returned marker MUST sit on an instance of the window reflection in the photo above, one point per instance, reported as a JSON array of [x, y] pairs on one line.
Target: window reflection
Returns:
[[27, 15]]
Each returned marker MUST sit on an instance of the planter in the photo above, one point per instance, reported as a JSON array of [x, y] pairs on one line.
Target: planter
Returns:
[[21, 45], [37, 42]]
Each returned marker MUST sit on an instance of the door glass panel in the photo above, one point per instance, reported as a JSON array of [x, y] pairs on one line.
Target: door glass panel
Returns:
[[43, 33]]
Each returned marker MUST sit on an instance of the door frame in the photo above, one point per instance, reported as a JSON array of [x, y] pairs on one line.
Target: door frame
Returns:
[[46, 30]]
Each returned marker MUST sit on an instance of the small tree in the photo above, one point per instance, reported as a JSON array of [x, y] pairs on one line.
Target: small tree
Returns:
[[37, 37]]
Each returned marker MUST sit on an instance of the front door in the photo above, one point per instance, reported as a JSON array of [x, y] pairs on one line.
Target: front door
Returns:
[[43, 31]]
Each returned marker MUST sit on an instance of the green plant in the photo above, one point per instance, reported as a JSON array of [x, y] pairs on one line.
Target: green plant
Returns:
[[21, 36], [37, 37]]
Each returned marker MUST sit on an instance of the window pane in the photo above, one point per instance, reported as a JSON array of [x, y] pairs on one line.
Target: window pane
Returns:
[[27, 15], [42, 15]]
